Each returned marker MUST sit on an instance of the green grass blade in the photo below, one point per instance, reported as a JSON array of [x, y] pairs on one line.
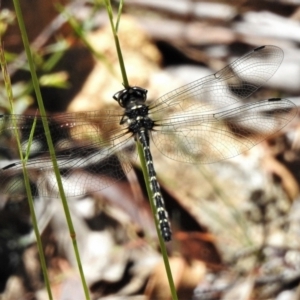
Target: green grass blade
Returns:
[[139, 147], [119, 15], [30, 140], [116, 38], [8, 87], [82, 35], [50, 144]]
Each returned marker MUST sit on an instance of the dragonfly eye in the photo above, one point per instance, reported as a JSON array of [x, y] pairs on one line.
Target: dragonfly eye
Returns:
[[131, 95]]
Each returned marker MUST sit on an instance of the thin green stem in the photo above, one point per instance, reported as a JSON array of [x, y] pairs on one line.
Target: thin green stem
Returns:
[[116, 38], [119, 14], [50, 144], [82, 35], [139, 147], [8, 88]]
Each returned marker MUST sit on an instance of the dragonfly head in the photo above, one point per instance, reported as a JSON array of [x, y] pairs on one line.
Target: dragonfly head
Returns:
[[131, 96]]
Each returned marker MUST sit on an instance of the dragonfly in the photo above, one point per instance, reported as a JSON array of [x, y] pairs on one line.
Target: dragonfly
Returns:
[[204, 121]]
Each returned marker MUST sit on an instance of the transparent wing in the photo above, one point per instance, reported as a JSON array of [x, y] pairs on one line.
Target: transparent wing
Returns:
[[201, 121], [236, 81], [205, 138], [92, 150]]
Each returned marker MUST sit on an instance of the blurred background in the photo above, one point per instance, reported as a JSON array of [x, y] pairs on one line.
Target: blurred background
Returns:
[[235, 223]]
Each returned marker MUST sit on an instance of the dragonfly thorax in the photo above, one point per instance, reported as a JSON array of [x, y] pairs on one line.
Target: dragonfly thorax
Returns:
[[140, 123], [137, 118], [136, 111]]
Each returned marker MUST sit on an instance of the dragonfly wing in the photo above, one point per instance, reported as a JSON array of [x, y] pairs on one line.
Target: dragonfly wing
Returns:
[[236, 81], [207, 138], [92, 152]]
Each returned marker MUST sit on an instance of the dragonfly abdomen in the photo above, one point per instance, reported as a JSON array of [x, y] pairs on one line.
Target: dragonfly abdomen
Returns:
[[161, 213]]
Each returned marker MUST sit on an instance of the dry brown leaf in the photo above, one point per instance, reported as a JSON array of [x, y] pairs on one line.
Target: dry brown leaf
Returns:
[[186, 276], [289, 182]]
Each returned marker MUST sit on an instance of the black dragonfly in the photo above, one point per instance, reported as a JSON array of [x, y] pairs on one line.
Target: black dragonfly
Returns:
[[202, 122]]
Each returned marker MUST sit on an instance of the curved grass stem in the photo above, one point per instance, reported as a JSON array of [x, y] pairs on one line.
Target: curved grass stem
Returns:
[[50, 144]]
